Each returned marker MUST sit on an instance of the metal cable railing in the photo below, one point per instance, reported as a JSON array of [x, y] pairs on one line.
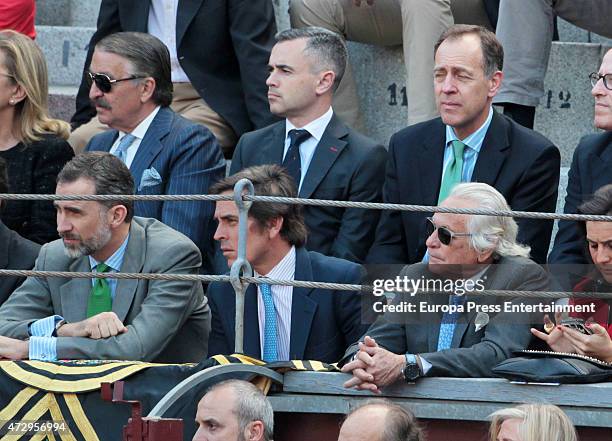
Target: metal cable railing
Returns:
[[241, 274]]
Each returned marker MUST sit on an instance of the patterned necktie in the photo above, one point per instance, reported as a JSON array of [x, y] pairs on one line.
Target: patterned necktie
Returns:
[[100, 298], [292, 161], [453, 172], [447, 326], [124, 144], [270, 351]]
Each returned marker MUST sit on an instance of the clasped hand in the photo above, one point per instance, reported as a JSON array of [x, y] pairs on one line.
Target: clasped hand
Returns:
[[373, 367]]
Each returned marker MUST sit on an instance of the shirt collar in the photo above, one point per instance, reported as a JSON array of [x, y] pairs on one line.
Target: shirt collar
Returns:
[[116, 260], [474, 140], [284, 269], [315, 127], [141, 129]]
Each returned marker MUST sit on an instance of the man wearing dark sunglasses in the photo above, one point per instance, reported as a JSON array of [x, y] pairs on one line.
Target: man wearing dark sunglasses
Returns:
[[589, 171], [219, 50], [429, 340], [131, 89]]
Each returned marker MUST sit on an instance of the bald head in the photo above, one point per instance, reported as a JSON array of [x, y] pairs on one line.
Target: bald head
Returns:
[[380, 420]]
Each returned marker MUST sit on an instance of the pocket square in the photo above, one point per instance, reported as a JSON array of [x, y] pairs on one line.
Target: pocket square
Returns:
[[150, 177]]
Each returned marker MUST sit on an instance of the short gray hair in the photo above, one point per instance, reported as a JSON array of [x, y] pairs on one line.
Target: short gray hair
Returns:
[[497, 233], [326, 48], [542, 422], [149, 58], [399, 424], [251, 405]]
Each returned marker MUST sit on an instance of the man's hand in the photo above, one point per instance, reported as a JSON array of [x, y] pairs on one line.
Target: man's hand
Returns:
[[13, 349], [359, 2], [373, 367], [598, 344], [103, 325]]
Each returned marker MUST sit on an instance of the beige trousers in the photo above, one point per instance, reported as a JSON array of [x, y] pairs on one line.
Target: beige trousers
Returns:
[[187, 103], [417, 24]]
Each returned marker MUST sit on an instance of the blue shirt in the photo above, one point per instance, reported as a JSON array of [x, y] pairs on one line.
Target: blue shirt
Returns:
[[43, 346], [473, 144]]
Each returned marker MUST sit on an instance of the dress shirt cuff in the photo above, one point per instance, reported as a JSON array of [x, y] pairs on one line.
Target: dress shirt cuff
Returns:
[[44, 327], [425, 365], [43, 348]]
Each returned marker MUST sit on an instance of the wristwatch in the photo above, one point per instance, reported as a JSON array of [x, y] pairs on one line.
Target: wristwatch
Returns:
[[411, 370], [58, 325]]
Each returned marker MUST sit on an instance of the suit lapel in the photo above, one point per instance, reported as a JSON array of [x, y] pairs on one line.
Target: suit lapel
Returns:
[[302, 307], [251, 323], [601, 168], [135, 22], [133, 262], [430, 159], [151, 145], [74, 294], [187, 10], [327, 151], [493, 152], [272, 145]]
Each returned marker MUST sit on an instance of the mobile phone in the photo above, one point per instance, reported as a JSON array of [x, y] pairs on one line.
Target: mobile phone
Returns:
[[577, 324]]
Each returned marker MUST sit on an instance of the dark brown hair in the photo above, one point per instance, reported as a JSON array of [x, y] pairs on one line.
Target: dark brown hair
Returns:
[[492, 50], [270, 180]]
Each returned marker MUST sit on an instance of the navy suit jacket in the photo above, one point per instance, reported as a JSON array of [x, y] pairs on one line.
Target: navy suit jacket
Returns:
[[591, 169], [520, 163], [188, 159], [346, 166], [323, 322], [222, 45]]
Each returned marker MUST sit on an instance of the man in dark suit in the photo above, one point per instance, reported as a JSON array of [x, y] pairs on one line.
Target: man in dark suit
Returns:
[[281, 322], [76, 318], [327, 159], [430, 339], [166, 153], [219, 50], [16, 252], [591, 169], [470, 142]]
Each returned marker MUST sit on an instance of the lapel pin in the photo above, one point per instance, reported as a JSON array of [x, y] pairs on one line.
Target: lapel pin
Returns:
[[481, 320], [334, 149]]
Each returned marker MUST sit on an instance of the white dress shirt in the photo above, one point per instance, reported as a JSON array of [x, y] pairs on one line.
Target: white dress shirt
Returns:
[[316, 129], [162, 24], [282, 297], [139, 133]]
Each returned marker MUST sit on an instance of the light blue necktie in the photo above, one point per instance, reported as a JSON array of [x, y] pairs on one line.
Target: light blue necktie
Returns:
[[447, 326], [270, 352], [124, 144]]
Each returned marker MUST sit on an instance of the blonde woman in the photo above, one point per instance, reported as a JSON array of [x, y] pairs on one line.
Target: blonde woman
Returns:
[[33, 144], [531, 422]]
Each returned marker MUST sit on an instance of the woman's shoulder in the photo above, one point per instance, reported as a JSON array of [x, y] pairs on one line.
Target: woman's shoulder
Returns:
[[51, 146]]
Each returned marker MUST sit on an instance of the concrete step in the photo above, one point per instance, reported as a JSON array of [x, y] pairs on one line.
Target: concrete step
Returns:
[[65, 48], [570, 33], [67, 12], [62, 101]]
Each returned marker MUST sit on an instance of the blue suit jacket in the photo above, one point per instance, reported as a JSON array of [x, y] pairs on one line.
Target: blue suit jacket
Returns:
[[591, 169], [323, 322], [188, 159]]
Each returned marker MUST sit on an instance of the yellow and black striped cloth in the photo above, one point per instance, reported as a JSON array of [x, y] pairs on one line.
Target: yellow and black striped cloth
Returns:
[[69, 392]]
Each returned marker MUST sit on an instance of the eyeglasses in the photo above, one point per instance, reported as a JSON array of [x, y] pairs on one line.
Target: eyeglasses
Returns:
[[607, 79], [445, 236], [104, 82]]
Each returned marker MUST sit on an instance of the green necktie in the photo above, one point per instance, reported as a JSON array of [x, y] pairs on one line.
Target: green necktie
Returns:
[[454, 169], [100, 298]]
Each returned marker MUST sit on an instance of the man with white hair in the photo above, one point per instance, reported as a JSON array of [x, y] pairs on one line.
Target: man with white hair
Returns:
[[234, 410], [447, 333]]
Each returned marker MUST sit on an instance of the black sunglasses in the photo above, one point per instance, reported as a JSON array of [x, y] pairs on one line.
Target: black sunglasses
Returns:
[[445, 236], [104, 82]]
